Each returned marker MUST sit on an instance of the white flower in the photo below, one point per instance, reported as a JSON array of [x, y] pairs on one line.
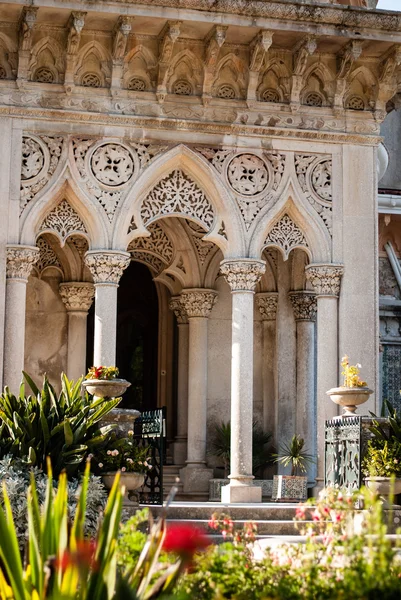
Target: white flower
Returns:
[[109, 452], [130, 461], [123, 469], [130, 432], [100, 465]]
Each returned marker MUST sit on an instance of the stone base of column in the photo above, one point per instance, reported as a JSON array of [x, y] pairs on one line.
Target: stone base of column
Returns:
[[195, 478], [234, 494], [180, 450], [319, 485]]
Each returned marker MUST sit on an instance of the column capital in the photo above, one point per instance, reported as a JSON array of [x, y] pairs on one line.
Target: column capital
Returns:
[[267, 305], [242, 274], [77, 296], [325, 278], [304, 305], [178, 309], [20, 260], [198, 302], [107, 266]]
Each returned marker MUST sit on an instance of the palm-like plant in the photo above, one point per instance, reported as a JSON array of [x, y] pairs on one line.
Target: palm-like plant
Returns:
[[294, 454]]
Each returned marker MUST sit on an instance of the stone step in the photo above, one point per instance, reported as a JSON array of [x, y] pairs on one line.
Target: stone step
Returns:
[[264, 528], [202, 511]]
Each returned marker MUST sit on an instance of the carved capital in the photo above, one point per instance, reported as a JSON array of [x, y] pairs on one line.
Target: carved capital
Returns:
[[325, 279], [259, 46], [178, 309], [108, 266], [121, 33], [242, 275], [27, 21], [77, 296], [214, 41], [198, 302], [305, 48], [75, 26], [304, 305], [267, 305], [20, 260]]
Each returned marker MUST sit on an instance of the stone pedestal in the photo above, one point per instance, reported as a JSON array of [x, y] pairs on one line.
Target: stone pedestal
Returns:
[[107, 268], [304, 305], [20, 260], [325, 280], [198, 304], [77, 297], [242, 275], [180, 451]]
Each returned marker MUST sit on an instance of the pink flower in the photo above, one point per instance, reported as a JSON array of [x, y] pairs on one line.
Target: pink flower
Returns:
[[123, 469], [316, 515], [300, 512]]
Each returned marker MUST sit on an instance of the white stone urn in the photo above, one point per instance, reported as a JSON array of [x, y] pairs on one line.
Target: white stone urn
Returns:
[[349, 398], [131, 481], [384, 487], [106, 388]]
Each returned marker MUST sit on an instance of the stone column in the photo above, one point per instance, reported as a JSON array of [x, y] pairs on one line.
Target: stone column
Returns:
[[267, 304], [77, 297], [325, 280], [106, 267], [304, 305], [20, 260], [180, 442], [198, 304], [242, 275]]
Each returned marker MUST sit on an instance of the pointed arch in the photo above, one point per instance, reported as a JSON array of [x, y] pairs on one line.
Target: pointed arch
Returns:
[[273, 82], [8, 60], [139, 70], [230, 75], [212, 201], [93, 59], [316, 242], [47, 62], [362, 89], [187, 67], [319, 82]]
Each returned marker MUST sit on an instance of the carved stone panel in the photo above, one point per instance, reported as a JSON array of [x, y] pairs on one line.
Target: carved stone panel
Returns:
[[20, 260], [267, 304], [247, 174], [64, 221], [243, 275], [108, 266], [304, 305], [178, 308], [112, 165], [286, 235], [47, 256], [77, 296], [325, 279], [198, 302], [314, 174]]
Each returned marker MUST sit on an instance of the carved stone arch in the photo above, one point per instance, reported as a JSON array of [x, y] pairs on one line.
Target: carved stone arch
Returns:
[[185, 74], [93, 60], [8, 57], [362, 89], [313, 236], [65, 188], [63, 222], [286, 236], [47, 62], [274, 82], [268, 281], [211, 199], [320, 80], [212, 270], [230, 75], [140, 70], [48, 257]]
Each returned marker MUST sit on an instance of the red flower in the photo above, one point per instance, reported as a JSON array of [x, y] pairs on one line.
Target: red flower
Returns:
[[185, 540], [83, 558]]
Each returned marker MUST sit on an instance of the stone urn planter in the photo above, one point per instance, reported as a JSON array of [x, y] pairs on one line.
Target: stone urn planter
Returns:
[[349, 398], [290, 488], [384, 487], [106, 388], [132, 481]]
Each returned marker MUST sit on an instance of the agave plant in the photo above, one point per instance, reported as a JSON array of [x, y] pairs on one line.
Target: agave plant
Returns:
[[64, 427], [294, 454]]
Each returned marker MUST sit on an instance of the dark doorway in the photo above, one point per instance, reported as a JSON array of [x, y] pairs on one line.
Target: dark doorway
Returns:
[[137, 337]]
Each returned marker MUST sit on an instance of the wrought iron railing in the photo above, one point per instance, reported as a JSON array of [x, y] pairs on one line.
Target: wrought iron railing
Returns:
[[150, 432], [343, 453]]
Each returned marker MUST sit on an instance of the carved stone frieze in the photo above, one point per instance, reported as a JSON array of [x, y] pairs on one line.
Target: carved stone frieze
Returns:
[[177, 194], [64, 221], [242, 274], [108, 266], [20, 260], [47, 256], [202, 247], [267, 304], [314, 173], [151, 260], [216, 156], [198, 302], [178, 308], [304, 305], [77, 296], [40, 158], [325, 278], [286, 235]]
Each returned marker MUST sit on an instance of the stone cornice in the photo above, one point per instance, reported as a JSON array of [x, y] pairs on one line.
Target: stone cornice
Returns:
[[301, 12]]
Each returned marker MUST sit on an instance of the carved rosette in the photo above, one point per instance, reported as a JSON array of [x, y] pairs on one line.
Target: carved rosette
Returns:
[[242, 275], [198, 302], [267, 305], [107, 267], [304, 305], [77, 296], [20, 260], [325, 279], [178, 309]]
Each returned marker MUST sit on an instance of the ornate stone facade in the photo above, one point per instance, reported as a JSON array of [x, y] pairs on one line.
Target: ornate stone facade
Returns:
[[107, 267], [286, 235], [242, 275], [77, 296]]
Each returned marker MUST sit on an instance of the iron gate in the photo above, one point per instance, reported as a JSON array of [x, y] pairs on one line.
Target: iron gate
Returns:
[[150, 432], [343, 453]]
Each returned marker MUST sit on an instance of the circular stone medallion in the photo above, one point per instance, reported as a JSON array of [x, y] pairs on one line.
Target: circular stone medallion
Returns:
[[248, 174], [112, 164]]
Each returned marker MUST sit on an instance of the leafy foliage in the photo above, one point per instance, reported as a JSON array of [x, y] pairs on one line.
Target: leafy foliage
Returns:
[[64, 427], [102, 373], [382, 456], [295, 455], [122, 453]]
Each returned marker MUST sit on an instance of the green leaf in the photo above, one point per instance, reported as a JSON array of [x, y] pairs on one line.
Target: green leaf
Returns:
[[68, 434], [31, 383], [9, 550]]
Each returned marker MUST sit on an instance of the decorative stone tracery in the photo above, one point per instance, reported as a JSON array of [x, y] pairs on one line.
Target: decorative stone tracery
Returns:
[[177, 194], [64, 221], [47, 256], [286, 235], [112, 165], [159, 244], [247, 174], [314, 174], [325, 279]]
